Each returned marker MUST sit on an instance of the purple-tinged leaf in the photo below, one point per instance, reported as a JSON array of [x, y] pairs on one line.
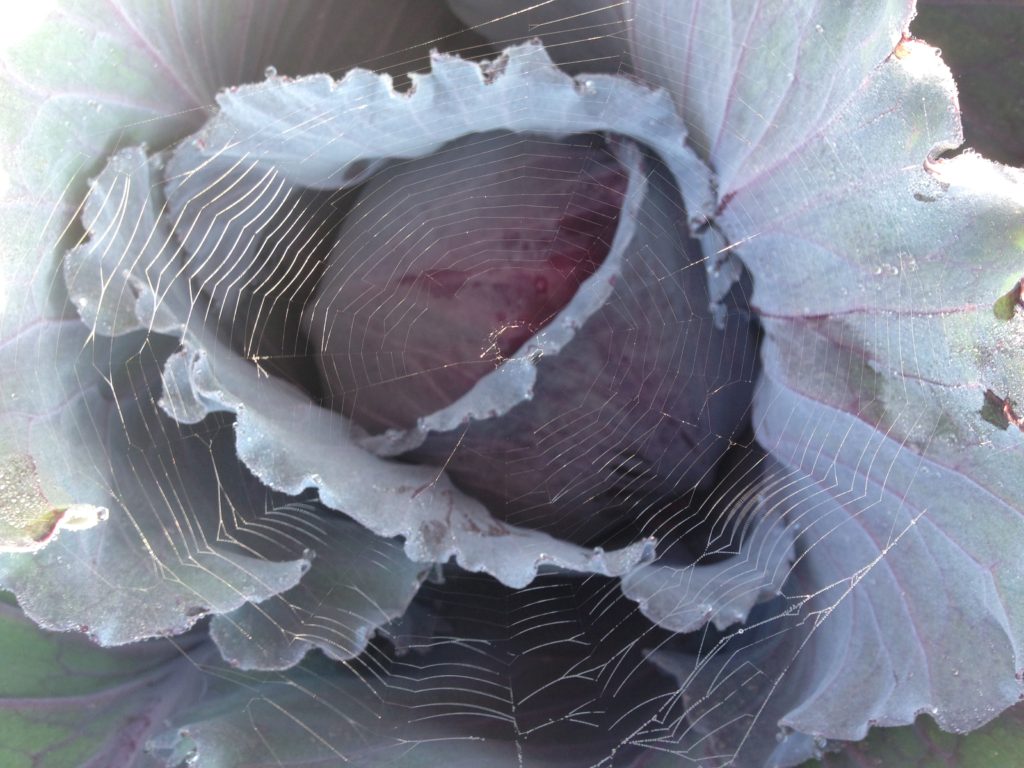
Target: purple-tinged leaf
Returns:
[[754, 80], [492, 252], [892, 368]]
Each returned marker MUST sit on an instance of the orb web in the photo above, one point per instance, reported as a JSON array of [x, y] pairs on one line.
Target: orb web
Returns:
[[567, 670], [641, 428]]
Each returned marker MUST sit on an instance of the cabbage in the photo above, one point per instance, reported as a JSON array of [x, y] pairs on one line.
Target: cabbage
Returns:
[[800, 250]]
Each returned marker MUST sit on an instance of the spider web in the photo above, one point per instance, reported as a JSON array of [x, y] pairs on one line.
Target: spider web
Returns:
[[575, 669]]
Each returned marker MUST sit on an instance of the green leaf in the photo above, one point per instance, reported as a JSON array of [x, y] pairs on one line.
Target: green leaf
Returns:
[[922, 745], [66, 702]]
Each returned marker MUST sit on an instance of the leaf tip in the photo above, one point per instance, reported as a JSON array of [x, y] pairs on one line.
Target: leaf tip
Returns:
[[1005, 307]]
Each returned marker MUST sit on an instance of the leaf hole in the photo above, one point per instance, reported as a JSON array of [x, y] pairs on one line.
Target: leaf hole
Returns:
[[1001, 411]]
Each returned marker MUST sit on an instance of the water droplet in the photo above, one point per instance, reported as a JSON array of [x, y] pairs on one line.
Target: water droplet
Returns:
[[821, 29], [270, 72]]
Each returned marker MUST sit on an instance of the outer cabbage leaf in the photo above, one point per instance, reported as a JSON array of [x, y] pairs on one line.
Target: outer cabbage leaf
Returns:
[[753, 81], [173, 548], [979, 43], [93, 76], [69, 92], [887, 281], [40, 479], [124, 280]]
